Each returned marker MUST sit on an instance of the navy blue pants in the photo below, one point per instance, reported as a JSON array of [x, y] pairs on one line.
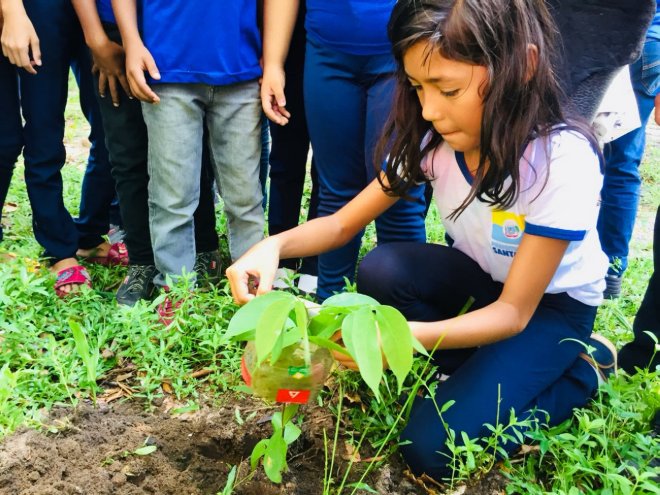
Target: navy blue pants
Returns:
[[43, 100], [347, 101], [538, 368], [288, 155], [11, 141]]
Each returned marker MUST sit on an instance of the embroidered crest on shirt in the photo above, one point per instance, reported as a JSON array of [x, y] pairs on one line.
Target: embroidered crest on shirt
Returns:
[[507, 230]]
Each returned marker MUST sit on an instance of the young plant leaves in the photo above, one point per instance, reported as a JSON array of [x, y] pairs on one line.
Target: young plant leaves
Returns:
[[360, 335], [275, 457], [270, 329], [244, 322], [349, 300], [396, 341]]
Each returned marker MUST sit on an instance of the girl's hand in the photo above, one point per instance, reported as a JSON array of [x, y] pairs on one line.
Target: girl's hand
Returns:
[[19, 40], [272, 95], [139, 60], [259, 263]]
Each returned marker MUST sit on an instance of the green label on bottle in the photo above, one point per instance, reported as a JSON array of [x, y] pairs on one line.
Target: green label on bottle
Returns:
[[298, 371]]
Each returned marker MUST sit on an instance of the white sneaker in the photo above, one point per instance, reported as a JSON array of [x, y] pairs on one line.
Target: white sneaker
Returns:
[[308, 283]]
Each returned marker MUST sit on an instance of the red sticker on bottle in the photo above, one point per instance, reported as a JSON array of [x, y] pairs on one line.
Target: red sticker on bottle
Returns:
[[292, 396], [247, 378]]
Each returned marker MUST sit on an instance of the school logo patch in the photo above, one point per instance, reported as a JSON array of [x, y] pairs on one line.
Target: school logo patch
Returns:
[[507, 230]]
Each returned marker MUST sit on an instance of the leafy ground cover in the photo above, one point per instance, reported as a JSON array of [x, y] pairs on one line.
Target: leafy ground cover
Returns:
[[96, 398]]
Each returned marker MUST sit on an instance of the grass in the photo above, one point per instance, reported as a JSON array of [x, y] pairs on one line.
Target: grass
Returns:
[[57, 354]]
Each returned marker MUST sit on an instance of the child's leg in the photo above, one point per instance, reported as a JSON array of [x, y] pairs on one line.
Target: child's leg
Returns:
[[234, 124], [336, 105], [537, 368], [405, 220], [175, 157], [43, 99], [11, 127], [98, 187], [622, 180]]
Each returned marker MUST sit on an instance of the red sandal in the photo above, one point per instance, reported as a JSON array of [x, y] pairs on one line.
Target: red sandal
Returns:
[[74, 275], [117, 255]]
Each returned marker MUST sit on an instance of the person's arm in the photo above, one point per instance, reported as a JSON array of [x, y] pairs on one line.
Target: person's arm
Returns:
[[532, 270], [657, 109], [138, 58], [19, 38], [310, 238], [108, 56], [279, 22]]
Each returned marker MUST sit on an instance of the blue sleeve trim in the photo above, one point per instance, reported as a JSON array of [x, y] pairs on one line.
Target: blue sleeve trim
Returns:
[[554, 233]]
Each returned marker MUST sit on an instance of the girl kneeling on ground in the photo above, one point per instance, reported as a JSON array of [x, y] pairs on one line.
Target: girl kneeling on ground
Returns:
[[478, 114]]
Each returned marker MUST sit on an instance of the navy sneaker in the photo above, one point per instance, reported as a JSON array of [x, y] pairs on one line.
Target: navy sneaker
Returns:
[[602, 357], [612, 286], [138, 284]]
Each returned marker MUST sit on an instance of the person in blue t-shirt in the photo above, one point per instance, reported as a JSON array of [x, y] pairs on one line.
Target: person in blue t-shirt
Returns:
[[202, 65], [348, 88], [126, 139]]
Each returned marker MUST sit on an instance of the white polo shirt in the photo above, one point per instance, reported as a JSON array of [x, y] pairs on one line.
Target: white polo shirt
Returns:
[[560, 183]]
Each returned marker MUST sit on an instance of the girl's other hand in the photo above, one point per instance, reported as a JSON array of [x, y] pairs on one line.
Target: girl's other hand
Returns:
[[259, 263], [139, 61]]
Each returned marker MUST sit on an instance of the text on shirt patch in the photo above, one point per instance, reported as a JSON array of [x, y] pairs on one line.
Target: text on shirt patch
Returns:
[[507, 230]]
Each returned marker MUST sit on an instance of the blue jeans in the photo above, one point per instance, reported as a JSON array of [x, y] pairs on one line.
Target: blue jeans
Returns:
[[43, 100], [622, 182], [538, 368], [347, 101], [232, 114], [11, 139]]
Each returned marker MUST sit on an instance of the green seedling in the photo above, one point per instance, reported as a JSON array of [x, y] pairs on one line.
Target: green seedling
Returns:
[[282, 330], [375, 335]]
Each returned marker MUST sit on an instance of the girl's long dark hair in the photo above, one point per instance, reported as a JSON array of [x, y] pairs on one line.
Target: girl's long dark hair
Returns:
[[522, 98]]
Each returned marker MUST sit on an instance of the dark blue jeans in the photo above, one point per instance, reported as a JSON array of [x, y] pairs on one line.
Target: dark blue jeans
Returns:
[[347, 101], [11, 139], [622, 182], [43, 100], [288, 155], [538, 368]]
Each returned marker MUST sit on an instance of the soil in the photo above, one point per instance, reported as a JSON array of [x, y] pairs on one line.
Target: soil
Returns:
[[89, 451]]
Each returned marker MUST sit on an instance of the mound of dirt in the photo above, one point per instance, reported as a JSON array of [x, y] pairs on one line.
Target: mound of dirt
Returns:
[[93, 453]]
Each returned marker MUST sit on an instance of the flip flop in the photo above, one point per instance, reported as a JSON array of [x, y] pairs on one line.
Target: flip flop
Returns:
[[74, 275], [117, 255]]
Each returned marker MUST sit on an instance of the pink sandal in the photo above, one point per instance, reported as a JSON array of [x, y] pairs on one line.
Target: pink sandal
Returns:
[[74, 275], [117, 255]]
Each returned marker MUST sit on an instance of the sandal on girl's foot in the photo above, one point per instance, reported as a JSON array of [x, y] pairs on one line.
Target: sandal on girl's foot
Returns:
[[117, 255], [73, 275]]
